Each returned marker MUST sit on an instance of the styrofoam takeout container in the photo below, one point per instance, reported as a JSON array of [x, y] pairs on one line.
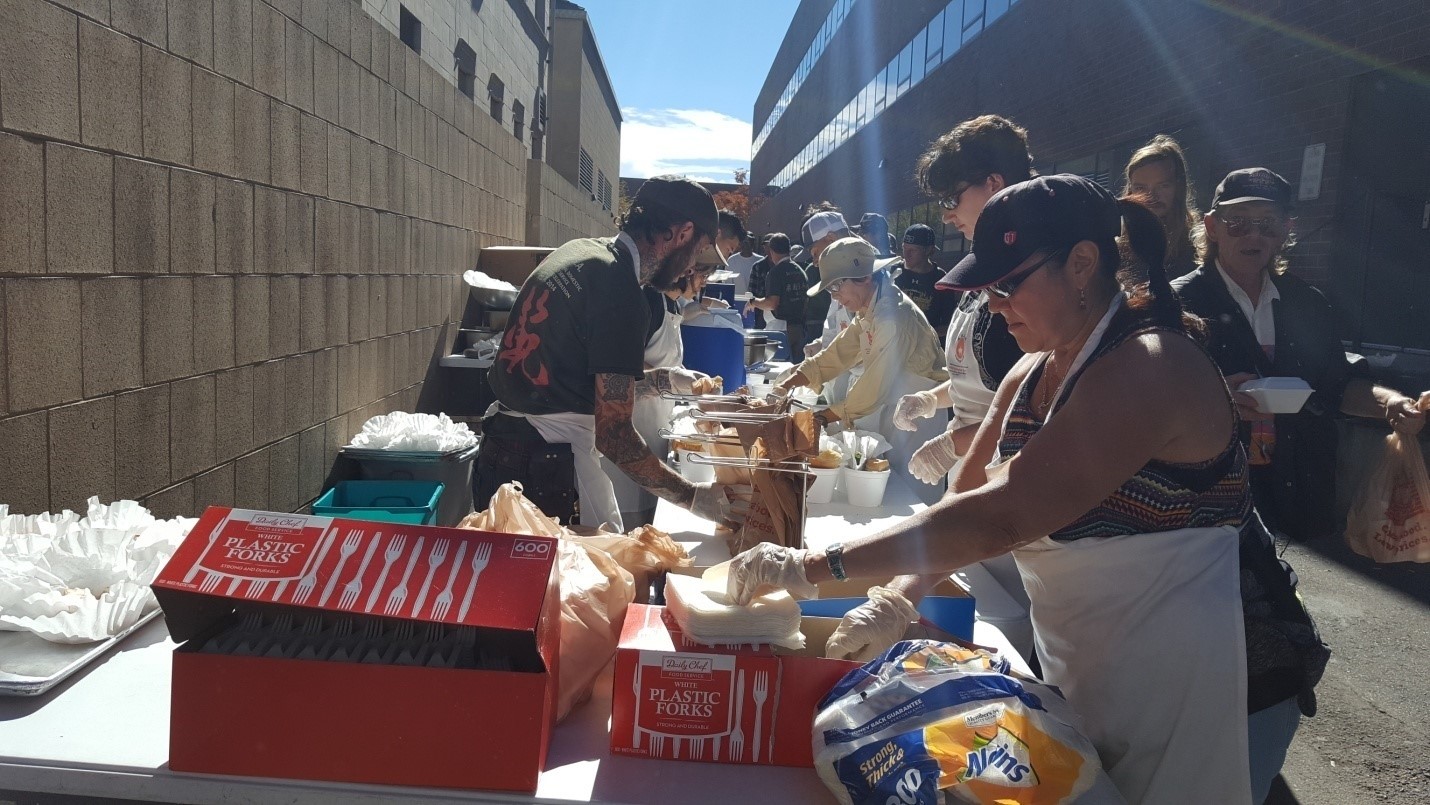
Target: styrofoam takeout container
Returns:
[[1277, 395]]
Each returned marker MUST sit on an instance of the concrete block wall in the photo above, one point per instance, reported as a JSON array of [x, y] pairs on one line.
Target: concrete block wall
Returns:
[[558, 211], [230, 232]]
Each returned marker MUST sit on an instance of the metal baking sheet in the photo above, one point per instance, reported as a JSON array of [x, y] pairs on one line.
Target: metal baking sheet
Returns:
[[31, 665]]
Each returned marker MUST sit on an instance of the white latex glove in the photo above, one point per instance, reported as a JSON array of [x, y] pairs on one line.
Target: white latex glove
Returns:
[[723, 504], [919, 405], [682, 381], [714, 302], [932, 462], [813, 348], [768, 566], [870, 628]]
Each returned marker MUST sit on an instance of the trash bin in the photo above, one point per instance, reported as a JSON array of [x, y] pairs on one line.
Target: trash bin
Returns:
[[453, 470]]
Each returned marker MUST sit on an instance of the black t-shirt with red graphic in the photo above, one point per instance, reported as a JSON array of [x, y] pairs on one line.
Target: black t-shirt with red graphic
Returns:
[[581, 313]]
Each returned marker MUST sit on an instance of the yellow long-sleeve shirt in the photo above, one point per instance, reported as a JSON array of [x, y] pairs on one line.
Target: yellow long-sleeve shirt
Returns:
[[890, 340]]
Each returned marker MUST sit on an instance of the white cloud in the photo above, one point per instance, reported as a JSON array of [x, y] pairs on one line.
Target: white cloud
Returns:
[[699, 143]]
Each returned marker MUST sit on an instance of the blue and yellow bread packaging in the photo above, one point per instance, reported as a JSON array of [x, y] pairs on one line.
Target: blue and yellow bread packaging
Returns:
[[930, 723]]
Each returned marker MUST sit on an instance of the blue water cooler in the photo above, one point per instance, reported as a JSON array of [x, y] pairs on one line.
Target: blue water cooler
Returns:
[[716, 351]]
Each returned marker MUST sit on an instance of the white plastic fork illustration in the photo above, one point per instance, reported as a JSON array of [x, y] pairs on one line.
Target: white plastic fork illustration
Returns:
[[657, 744], [310, 580], [435, 558], [697, 748], [213, 535], [443, 604], [351, 541], [737, 737], [481, 555], [257, 587], [354, 587], [762, 691], [398, 596], [210, 582], [393, 553]]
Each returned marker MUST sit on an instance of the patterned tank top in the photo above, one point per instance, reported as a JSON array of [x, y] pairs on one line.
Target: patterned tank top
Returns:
[[1162, 496]]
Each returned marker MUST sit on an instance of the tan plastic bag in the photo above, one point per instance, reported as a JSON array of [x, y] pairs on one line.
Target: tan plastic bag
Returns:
[[595, 592], [644, 553], [1390, 518]]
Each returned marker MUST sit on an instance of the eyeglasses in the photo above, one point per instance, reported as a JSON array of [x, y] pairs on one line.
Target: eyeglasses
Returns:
[[952, 200], [1239, 225], [1007, 287], [837, 284]]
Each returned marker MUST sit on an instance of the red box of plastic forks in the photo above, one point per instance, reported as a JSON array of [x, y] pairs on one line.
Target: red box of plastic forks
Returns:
[[675, 699], [428, 655]]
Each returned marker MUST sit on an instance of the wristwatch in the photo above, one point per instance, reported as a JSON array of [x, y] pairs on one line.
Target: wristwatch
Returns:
[[834, 555]]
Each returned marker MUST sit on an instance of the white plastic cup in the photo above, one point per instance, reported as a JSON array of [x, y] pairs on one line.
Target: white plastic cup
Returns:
[[822, 490], [693, 472], [864, 488]]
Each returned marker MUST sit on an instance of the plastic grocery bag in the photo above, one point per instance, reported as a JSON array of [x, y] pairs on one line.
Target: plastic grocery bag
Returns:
[[595, 592], [1390, 518], [928, 723]]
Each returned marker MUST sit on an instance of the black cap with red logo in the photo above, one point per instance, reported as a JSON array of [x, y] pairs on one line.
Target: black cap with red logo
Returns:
[[1045, 214]]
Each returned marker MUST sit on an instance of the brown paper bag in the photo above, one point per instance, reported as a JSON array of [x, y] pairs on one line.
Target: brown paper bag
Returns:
[[777, 505]]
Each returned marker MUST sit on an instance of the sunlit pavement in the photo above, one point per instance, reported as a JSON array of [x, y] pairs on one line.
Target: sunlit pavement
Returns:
[[1370, 742]]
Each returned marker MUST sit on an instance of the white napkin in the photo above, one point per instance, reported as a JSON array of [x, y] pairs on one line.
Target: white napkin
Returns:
[[704, 613], [478, 279]]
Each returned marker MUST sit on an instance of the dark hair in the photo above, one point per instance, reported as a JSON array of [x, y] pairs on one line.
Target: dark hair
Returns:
[[974, 150], [779, 243], [650, 223], [1184, 217], [822, 206], [730, 224], [1147, 241]]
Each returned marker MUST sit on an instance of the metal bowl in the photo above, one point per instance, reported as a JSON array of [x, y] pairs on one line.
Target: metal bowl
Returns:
[[494, 299]]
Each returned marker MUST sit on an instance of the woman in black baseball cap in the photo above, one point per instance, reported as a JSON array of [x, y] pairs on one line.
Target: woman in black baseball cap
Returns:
[[1110, 466]]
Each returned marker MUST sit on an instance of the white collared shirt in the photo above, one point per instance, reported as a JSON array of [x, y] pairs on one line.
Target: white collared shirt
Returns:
[[630, 244], [1259, 314]]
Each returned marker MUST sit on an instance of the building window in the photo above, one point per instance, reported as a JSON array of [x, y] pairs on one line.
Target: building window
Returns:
[[466, 65], [496, 93], [588, 170], [410, 29], [518, 119]]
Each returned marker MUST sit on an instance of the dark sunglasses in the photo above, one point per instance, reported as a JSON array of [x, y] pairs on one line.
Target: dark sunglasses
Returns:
[[952, 200], [1005, 288], [1239, 225]]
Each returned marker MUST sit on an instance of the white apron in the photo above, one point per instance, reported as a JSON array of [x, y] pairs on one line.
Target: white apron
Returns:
[[1143, 633], [598, 499], [650, 416], [971, 401]]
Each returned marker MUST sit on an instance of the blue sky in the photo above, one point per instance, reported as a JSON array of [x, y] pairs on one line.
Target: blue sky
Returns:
[[686, 73]]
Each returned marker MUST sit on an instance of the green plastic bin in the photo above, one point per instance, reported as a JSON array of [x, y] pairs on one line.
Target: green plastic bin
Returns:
[[412, 502]]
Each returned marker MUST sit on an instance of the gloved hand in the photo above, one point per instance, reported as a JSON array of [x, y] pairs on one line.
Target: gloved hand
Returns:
[[932, 462], [813, 348], [723, 504], [767, 566], [682, 381], [919, 405], [870, 628]]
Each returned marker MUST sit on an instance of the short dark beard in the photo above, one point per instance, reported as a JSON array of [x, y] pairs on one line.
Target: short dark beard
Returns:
[[670, 268]]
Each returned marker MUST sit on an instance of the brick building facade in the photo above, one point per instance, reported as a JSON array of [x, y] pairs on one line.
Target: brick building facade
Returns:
[[233, 230], [1239, 82]]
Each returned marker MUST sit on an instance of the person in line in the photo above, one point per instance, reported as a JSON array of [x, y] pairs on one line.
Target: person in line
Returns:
[[1110, 464], [823, 225], [572, 360], [759, 274], [742, 262], [874, 228], [888, 339], [916, 275], [1267, 323], [784, 298], [1156, 175]]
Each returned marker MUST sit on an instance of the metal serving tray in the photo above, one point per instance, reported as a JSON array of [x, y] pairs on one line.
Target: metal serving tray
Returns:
[[30, 665]]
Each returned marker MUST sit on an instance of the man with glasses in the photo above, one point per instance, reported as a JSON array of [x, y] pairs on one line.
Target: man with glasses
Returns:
[[1266, 323], [963, 169]]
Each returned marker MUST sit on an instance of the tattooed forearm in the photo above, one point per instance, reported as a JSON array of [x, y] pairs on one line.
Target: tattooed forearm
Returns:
[[618, 440]]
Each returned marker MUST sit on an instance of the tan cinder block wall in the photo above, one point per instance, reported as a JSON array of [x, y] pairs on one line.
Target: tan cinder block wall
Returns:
[[558, 211], [230, 232]]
